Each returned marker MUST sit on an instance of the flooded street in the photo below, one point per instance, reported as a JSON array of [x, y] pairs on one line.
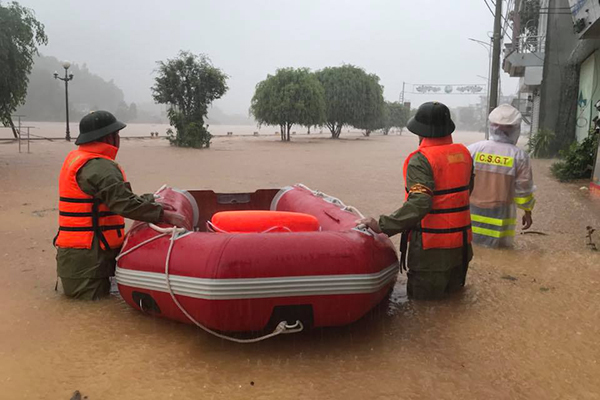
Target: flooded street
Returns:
[[56, 130], [526, 326]]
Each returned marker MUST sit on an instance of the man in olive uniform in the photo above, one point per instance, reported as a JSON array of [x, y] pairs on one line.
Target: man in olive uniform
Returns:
[[94, 200], [435, 217]]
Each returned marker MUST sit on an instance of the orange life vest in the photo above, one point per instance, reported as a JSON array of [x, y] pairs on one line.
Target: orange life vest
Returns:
[[448, 224], [81, 216]]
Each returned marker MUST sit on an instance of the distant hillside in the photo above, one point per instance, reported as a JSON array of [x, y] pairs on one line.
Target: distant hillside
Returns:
[[88, 91], [157, 113], [218, 117]]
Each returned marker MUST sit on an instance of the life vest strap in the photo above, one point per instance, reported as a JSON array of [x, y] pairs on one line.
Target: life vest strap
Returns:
[[75, 200], [450, 191], [90, 228], [443, 231], [86, 214], [449, 210], [446, 191]]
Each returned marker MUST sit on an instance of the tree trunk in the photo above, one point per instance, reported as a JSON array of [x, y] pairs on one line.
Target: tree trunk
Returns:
[[12, 126], [308, 133], [338, 132], [289, 127], [282, 132], [332, 129]]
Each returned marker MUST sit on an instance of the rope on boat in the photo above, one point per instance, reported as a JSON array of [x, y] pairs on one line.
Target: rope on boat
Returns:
[[333, 200], [282, 328]]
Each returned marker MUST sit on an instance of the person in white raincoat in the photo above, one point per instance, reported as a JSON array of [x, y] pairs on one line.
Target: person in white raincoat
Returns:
[[503, 181]]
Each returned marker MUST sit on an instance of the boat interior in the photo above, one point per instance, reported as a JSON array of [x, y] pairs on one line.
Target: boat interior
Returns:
[[210, 203]]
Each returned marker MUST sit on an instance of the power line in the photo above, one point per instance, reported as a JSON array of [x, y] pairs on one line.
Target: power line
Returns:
[[506, 24], [505, 19], [489, 8]]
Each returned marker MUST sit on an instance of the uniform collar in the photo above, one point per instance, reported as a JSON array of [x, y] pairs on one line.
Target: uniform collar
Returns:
[[104, 149], [430, 142]]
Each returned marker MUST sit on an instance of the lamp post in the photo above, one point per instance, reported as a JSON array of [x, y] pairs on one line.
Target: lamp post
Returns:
[[488, 47], [68, 77]]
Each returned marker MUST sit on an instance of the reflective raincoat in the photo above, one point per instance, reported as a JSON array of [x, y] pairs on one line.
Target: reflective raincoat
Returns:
[[503, 182]]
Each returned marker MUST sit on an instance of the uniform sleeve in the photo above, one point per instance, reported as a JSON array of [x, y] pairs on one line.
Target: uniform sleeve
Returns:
[[473, 149], [524, 186], [103, 179], [418, 175]]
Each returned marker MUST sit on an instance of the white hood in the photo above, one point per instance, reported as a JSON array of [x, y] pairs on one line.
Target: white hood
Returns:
[[505, 124], [505, 134]]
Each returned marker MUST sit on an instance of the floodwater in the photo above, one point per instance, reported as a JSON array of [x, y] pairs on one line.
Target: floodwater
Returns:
[[56, 130], [526, 326]]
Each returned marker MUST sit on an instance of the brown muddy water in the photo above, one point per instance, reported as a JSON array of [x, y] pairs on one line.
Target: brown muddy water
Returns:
[[56, 130], [527, 325]]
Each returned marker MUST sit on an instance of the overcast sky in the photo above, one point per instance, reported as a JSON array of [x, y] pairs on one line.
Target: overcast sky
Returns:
[[418, 41]]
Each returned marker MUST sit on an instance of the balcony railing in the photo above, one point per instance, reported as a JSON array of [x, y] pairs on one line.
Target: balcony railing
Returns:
[[530, 44]]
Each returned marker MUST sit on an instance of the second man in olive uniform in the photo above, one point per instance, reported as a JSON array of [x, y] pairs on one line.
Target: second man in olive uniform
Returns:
[[434, 219], [94, 199]]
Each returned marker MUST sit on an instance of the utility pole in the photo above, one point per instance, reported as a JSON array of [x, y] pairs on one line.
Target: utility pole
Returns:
[[493, 102], [402, 94]]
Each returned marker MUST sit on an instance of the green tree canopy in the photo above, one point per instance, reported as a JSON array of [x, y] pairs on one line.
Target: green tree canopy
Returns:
[[291, 96], [189, 84], [397, 116], [352, 97], [20, 35]]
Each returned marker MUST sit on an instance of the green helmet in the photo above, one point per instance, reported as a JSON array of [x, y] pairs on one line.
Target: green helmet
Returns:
[[432, 120], [96, 125]]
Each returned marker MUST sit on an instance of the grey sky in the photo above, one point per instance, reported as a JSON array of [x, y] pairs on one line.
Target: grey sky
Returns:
[[419, 41]]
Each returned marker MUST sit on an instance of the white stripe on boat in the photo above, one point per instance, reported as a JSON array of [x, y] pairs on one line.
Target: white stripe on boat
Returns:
[[252, 288]]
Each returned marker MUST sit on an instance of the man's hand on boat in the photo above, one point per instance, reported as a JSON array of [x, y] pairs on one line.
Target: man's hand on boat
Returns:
[[370, 223], [176, 219]]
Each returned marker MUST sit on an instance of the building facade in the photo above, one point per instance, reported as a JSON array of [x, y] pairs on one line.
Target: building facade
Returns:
[[555, 51]]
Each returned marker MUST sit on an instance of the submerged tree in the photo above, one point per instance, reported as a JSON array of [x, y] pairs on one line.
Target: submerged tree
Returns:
[[189, 84], [352, 97], [20, 35], [398, 116], [290, 97]]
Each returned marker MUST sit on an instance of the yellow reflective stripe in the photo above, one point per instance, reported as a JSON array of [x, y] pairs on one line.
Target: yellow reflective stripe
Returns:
[[74, 159], [523, 200], [494, 159], [493, 221], [490, 232]]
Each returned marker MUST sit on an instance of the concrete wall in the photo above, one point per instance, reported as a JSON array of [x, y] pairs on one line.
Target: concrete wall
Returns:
[[560, 87], [558, 102]]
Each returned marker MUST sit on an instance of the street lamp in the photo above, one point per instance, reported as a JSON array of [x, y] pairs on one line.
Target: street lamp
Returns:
[[68, 77]]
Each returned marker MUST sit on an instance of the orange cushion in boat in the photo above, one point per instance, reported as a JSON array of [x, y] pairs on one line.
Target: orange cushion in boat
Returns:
[[262, 221]]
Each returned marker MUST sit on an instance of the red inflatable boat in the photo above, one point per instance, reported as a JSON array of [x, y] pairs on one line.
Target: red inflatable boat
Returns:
[[321, 271]]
